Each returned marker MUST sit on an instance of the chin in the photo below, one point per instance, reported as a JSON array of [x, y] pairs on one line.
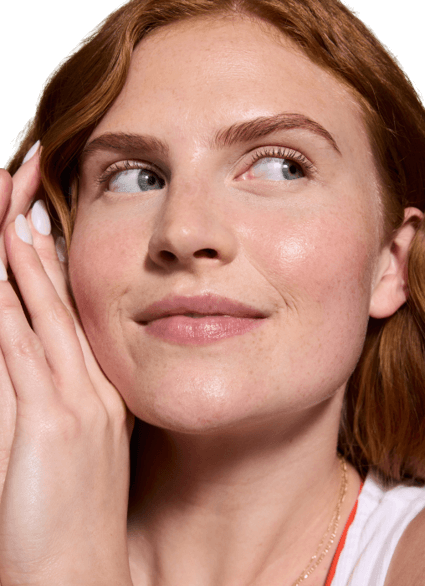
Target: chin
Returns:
[[204, 405]]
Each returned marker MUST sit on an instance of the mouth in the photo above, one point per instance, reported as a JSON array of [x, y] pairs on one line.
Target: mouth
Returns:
[[200, 319], [199, 306], [199, 315]]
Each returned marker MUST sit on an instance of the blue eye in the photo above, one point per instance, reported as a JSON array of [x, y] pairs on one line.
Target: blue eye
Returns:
[[276, 169], [135, 180]]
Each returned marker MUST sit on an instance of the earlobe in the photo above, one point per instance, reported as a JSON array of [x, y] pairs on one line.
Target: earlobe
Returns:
[[390, 290]]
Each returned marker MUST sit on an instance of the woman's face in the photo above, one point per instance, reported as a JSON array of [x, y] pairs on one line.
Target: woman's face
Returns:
[[231, 168]]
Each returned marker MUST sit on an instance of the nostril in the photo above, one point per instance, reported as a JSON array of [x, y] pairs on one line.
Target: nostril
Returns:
[[167, 256], [206, 253]]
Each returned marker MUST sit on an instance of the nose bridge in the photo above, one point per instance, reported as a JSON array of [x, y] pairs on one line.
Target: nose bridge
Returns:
[[191, 225], [188, 195]]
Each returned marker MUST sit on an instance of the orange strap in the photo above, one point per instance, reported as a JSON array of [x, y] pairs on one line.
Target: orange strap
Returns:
[[341, 543]]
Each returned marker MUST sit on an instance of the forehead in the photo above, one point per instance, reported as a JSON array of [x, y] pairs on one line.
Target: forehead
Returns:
[[202, 74]]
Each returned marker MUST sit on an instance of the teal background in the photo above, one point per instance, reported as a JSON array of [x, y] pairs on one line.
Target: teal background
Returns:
[[36, 36]]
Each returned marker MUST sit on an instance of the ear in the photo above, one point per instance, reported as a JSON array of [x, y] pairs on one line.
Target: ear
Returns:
[[390, 289]]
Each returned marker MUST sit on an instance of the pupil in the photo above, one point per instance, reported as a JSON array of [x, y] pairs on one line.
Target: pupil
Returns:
[[293, 169], [148, 180]]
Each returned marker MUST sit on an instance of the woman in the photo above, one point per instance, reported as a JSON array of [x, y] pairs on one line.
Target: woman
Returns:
[[240, 188]]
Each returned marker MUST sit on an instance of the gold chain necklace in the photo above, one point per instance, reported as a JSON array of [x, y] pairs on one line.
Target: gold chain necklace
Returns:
[[315, 561]]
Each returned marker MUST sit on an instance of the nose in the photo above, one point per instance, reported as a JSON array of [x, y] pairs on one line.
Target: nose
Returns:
[[191, 232]]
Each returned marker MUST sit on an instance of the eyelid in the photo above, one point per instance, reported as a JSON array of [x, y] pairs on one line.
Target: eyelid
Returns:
[[280, 152], [126, 165]]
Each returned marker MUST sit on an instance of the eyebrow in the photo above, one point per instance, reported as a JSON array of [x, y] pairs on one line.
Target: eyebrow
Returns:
[[121, 141], [239, 132], [265, 125]]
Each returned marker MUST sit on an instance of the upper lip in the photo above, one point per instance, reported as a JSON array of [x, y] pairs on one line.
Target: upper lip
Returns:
[[199, 305]]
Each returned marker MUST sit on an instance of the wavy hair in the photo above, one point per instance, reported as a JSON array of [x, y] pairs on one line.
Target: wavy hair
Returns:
[[382, 423]]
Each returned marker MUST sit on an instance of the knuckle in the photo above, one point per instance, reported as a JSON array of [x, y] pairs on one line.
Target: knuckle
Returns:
[[89, 424], [118, 413], [25, 347], [64, 424], [9, 308], [106, 419], [48, 254], [88, 415], [95, 413], [58, 314]]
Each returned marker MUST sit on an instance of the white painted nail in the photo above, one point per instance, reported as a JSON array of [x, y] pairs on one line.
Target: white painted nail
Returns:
[[40, 218], [22, 229], [61, 248], [31, 152], [3, 272]]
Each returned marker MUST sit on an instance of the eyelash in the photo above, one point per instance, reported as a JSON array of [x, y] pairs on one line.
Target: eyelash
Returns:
[[284, 153], [120, 167], [277, 152]]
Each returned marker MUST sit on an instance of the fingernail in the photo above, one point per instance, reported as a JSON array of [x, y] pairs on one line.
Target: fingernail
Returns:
[[31, 152], [61, 248], [22, 229], [40, 218], [3, 272]]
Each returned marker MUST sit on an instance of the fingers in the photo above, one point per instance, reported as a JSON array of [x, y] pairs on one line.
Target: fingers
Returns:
[[23, 353], [55, 346], [16, 194], [7, 419], [6, 188], [56, 271], [39, 222], [47, 356], [25, 184]]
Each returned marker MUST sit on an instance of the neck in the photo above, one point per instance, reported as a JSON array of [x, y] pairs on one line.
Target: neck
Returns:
[[235, 507]]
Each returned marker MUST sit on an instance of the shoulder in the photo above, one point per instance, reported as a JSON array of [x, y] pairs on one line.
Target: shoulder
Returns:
[[407, 567]]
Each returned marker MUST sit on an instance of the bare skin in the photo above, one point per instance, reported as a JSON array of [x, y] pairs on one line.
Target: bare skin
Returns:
[[65, 429], [238, 476], [230, 501], [17, 195]]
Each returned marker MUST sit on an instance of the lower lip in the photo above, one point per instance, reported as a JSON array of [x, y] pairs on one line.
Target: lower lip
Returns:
[[181, 329]]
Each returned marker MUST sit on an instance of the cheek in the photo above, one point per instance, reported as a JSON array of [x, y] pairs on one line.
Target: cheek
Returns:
[[314, 258], [322, 270], [102, 261]]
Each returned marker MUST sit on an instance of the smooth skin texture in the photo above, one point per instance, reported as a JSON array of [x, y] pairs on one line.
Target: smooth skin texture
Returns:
[[240, 478], [16, 196], [65, 433], [250, 423]]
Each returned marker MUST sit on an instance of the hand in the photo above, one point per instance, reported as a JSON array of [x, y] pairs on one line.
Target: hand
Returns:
[[63, 511], [15, 198]]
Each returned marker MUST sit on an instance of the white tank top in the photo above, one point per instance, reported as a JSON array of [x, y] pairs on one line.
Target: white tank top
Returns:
[[381, 517]]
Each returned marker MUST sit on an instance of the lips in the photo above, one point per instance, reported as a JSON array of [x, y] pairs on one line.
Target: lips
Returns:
[[199, 319], [199, 306]]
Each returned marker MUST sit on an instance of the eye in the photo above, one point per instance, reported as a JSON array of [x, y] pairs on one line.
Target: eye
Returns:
[[134, 180], [278, 164], [276, 169], [129, 177]]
